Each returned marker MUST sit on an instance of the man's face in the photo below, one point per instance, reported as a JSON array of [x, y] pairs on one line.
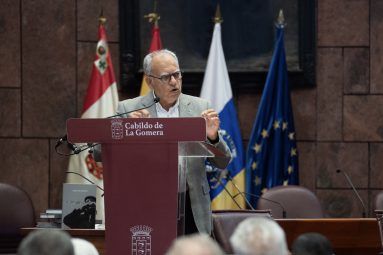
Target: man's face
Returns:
[[168, 92]]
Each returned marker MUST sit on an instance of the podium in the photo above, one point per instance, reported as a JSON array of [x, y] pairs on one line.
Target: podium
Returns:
[[144, 166]]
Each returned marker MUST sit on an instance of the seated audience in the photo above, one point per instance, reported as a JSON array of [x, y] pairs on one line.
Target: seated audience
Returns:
[[259, 236], [195, 244], [83, 247], [312, 244], [46, 242]]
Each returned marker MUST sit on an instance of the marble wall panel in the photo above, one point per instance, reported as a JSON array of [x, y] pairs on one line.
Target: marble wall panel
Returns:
[[330, 92], [376, 48], [363, 118], [10, 112], [356, 70], [49, 66], [25, 163], [343, 23], [10, 60], [351, 158]]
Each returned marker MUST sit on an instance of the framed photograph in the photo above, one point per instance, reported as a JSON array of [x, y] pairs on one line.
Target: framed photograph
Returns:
[[248, 37]]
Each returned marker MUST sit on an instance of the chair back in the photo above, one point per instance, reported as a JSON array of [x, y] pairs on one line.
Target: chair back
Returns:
[[296, 201], [225, 222], [16, 212], [379, 201]]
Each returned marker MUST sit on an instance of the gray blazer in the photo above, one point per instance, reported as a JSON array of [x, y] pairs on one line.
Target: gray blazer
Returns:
[[196, 178]]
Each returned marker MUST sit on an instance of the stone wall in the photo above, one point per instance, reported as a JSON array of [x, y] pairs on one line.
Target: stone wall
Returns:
[[46, 55]]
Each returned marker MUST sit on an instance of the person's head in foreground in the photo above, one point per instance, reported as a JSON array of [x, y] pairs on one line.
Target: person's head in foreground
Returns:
[[196, 244], [46, 242], [83, 247], [312, 244], [259, 236]]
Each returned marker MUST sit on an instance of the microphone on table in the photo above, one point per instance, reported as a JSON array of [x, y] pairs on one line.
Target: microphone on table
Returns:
[[267, 199], [222, 174], [76, 150], [71, 172], [355, 191], [227, 174]]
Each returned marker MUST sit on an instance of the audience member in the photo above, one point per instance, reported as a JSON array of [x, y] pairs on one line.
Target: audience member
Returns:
[[46, 242], [259, 236], [195, 244], [83, 247], [312, 244]]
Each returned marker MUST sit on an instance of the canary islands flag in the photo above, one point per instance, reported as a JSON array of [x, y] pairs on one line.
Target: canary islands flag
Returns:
[[217, 89]]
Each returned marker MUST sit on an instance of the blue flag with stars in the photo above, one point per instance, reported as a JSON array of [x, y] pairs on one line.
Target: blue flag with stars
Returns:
[[272, 158]]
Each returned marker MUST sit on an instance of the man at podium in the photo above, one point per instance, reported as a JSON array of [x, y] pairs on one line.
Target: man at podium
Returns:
[[165, 99]]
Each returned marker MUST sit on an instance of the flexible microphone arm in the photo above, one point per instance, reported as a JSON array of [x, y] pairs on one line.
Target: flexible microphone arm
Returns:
[[228, 192], [70, 172], [155, 100], [239, 192], [76, 150], [269, 200], [355, 191]]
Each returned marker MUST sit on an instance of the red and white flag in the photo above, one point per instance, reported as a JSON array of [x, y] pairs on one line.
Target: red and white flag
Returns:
[[154, 45], [100, 101]]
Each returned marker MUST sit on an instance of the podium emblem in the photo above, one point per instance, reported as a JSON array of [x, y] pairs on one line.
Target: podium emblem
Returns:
[[117, 129], [141, 240]]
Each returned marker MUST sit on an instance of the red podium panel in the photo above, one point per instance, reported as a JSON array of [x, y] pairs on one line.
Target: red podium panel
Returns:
[[140, 160]]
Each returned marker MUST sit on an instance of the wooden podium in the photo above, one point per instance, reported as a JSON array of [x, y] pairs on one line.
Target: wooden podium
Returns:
[[141, 176]]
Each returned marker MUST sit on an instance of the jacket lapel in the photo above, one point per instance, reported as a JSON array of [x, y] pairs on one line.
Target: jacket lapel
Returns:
[[185, 107], [148, 100]]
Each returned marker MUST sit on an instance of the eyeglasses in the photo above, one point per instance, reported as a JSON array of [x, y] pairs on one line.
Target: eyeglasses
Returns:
[[165, 78]]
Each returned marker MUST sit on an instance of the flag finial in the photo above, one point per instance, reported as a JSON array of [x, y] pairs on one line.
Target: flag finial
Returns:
[[218, 18], [280, 20], [153, 17], [101, 18]]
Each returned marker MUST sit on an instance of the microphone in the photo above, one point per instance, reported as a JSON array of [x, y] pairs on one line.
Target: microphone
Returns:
[[77, 150], [71, 146], [222, 174], [155, 100], [70, 172], [228, 175], [269, 200], [355, 191]]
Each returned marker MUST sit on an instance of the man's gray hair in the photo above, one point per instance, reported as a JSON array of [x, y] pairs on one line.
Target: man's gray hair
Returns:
[[147, 65], [195, 244], [259, 236], [46, 242]]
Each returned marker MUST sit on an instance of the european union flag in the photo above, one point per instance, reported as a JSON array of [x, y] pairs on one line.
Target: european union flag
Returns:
[[272, 158]]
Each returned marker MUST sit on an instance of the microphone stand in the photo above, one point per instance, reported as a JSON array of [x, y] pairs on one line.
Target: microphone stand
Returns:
[[70, 172], [355, 191], [219, 179], [77, 150], [239, 191], [269, 200]]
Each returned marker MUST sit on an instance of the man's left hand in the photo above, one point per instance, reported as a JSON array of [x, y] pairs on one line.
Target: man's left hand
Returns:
[[212, 123]]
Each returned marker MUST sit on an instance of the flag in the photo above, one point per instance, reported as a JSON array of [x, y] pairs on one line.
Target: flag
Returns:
[[154, 45], [100, 101], [272, 158], [217, 89]]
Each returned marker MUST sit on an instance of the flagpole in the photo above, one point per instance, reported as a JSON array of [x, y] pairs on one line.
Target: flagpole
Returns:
[[101, 18], [153, 17], [218, 17], [280, 20]]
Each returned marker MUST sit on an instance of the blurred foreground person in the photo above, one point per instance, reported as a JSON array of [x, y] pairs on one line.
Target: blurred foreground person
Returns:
[[83, 247], [46, 242], [259, 236], [312, 244], [195, 244]]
